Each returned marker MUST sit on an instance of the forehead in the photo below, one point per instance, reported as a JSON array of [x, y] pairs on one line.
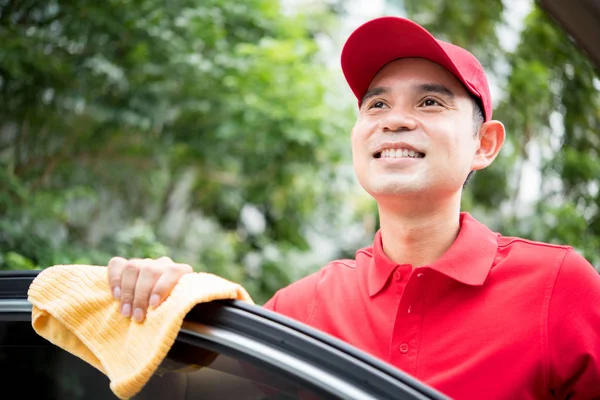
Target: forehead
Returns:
[[416, 70]]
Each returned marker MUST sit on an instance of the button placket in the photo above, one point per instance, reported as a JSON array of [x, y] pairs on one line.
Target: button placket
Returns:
[[416, 307], [401, 272], [407, 327]]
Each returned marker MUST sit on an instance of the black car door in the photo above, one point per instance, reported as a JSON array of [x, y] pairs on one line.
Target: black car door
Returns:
[[225, 350]]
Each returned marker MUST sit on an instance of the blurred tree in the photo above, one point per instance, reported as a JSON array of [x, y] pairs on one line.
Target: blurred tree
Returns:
[[549, 105], [556, 88], [128, 127]]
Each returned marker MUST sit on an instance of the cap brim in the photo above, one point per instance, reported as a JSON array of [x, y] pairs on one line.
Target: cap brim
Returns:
[[380, 41]]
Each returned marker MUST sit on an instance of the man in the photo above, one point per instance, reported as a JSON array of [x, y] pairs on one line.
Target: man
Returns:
[[440, 296]]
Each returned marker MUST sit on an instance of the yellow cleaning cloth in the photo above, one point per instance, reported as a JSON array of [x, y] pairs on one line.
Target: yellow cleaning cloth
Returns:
[[74, 309]]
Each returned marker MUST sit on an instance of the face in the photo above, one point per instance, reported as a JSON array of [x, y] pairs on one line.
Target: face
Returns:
[[414, 133]]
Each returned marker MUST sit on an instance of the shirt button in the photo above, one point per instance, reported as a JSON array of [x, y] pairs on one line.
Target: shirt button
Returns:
[[420, 275], [404, 348], [397, 275]]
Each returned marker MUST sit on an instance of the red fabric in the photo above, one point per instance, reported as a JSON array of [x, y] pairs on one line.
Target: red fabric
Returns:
[[379, 41], [495, 318]]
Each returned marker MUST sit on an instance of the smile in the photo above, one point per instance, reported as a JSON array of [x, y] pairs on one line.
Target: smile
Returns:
[[399, 153]]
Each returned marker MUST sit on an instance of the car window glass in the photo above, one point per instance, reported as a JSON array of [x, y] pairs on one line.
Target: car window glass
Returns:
[[193, 372], [48, 371], [189, 372]]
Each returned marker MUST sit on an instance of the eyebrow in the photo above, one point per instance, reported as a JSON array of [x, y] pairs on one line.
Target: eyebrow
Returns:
[[421, 88], [376, 91], [435, 88]]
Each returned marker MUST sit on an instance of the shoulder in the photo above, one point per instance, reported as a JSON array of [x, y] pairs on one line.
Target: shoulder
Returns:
[[553, 267], [523, 251], [310, 283], [518, 243], [577, 273], [299, 298], [567, 266]]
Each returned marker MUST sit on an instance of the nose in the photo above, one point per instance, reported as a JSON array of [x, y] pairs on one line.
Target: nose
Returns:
[[397, 119]]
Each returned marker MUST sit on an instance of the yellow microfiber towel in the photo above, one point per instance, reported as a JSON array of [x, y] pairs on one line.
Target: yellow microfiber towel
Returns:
[[74, 309]]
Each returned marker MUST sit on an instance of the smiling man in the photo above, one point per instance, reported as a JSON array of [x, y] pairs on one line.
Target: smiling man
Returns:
[[438, 294]]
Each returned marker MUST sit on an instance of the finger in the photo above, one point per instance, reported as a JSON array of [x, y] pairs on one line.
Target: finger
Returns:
[[128, 282], [114, 272], [146, 280], [167, 282]]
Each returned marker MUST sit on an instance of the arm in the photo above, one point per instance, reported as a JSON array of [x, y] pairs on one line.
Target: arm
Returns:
[[574, 331]]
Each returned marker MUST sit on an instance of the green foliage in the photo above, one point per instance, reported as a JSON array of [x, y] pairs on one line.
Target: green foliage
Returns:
[[127, 127]]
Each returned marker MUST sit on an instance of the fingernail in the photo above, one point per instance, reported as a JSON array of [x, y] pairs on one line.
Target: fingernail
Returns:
[[126, 310], [154, 299], [117, 293], [138, 315]]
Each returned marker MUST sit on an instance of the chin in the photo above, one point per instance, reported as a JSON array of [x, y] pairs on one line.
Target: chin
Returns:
[[396, 190]]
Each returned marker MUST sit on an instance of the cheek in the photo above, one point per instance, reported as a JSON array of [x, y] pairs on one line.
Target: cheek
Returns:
[[360, 152], [358, 139], [358, 155], [455, 140]]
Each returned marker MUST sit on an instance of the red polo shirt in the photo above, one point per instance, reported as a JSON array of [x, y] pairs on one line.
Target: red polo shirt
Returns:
[[494, 318]]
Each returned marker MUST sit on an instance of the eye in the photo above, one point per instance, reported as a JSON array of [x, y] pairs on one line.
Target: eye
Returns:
[[430, 102], [378, 104]]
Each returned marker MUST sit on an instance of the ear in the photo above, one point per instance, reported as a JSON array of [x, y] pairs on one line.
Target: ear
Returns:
[[491, 138]]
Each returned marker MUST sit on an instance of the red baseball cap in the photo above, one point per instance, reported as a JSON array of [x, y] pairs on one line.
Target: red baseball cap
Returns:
[[385, 39]]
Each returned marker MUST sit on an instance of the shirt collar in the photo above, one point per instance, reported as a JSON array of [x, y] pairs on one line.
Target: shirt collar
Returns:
[[468, 260]]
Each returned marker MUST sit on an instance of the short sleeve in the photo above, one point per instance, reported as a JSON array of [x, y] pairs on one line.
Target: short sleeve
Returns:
[[574, 330]]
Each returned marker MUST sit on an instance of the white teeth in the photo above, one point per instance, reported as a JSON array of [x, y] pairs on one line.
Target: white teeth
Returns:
[[400, 153]]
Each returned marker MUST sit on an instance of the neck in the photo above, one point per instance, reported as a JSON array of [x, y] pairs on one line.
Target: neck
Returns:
[[420, 235]]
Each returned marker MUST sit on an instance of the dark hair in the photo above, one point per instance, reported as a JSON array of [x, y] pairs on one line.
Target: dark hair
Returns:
[[478, 120]]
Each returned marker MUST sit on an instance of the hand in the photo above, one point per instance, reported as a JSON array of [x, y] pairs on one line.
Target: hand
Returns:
[[139, 283]]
